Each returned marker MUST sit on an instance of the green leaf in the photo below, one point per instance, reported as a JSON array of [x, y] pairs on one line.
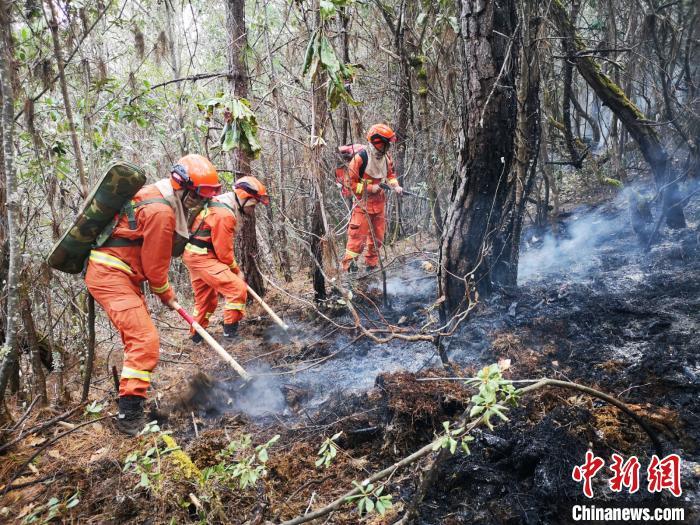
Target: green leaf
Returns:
[[230, 139], [327, 9], [476, 410], [369, 505], [309, 54], [328, 57], [380, 508]]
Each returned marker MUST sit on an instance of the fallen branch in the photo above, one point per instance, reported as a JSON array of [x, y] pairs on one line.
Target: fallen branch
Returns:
[[429, 473], [41, 427]]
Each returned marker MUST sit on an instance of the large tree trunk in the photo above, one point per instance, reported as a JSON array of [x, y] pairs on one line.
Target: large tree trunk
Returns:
[[247, 241], [486, 153], [8, 352], [628, 113]]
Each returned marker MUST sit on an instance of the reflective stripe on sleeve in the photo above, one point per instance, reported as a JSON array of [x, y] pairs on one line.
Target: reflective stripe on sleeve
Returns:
[[393, 182], [359, 187], [110, 260], [195, 249], [159, 289], [350, 253], [130, 373]]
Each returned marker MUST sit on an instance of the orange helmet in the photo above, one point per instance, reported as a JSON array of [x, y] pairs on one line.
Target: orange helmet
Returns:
[[381, 133], [195, 173], [251, 188]]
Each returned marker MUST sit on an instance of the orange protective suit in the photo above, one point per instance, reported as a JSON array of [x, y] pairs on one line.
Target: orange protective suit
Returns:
[[210, 259], [138, 250], [368, 210]]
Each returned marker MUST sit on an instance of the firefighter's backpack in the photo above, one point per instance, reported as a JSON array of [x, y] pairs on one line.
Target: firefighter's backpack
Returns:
[[116, 187]]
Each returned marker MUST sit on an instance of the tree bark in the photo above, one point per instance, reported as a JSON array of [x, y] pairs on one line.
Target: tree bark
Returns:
[[486, 152], [38, 377], [279, 226], [11, 204], [628, 113], [247, 241], [319, 112], [527, 131]]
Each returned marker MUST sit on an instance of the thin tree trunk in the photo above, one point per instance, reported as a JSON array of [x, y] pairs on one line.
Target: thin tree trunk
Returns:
[[12, 314], [247, 239], [527, 133], [58, 55], [319, 112], [488, 115], [38, 377], [280, 194]]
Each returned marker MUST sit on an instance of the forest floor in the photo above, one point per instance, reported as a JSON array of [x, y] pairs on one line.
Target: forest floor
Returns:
[[592, 307]]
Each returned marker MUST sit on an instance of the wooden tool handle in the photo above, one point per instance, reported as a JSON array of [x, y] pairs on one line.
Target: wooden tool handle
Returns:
[[272, 314], [212, 342]]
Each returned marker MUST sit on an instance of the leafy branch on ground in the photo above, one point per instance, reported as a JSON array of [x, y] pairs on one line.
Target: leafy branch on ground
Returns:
[[328, 451], [240, 463]]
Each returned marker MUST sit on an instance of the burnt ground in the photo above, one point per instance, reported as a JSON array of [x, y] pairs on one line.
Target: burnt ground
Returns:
[[592, 307]]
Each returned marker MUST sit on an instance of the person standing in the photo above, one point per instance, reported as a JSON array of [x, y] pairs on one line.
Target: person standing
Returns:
[[368, 171], [210, 259], [137, 251]]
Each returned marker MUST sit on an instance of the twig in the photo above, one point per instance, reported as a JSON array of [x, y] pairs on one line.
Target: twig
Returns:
[[26, 414], [47, 445], [52, 477], [41, 427]]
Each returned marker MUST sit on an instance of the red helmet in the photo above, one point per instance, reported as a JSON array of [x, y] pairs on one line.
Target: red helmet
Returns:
[[251, 188], [197, 174], [381, 133]]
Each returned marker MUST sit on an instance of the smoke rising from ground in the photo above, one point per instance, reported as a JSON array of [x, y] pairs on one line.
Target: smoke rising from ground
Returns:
[[583, 237]]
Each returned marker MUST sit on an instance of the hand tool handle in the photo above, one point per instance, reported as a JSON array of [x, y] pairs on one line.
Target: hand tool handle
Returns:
[[274, 316], [212, 342]]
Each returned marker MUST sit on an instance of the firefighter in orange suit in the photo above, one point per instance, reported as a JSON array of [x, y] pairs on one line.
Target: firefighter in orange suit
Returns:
[[209, 255], [139, 249], [368, 170]]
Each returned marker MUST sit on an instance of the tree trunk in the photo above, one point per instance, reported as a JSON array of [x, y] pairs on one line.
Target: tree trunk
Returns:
[[486, 152], [11, 204], [38, 377], [247, 241], [628, 113], [319, 112], [58, 55], [527, 134], [279, 226]]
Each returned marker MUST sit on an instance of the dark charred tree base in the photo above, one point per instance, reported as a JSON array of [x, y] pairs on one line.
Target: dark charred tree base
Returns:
[[480, 191]]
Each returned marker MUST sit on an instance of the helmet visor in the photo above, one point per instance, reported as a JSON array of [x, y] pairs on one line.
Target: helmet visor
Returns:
[[207, 191]]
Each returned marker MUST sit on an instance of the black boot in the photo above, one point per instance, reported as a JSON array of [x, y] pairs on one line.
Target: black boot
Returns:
[[196, 338], [230, 330], [130, 420], [352, 268]]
